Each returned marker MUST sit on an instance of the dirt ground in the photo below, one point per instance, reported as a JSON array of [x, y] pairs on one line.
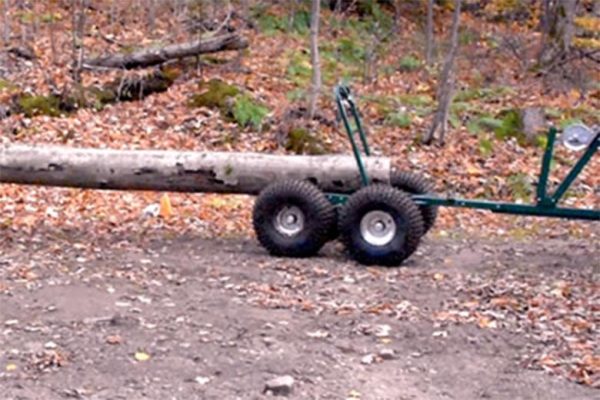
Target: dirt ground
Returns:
[[164, 317]]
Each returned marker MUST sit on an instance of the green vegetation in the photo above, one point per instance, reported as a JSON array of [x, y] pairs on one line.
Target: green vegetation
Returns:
[[409, 63], [477, 93], [486, 147], [215, 94], [233, 104], [416, 100], [301, 141], [520, 186], [271, 24], [34, 105], [467, 36], [6, 85], [400, 119], [299, 70], [248, 113], [511, 126]]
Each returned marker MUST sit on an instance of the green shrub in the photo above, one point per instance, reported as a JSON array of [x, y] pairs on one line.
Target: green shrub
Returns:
[[415, 100], [248, 113], [215, 94], [511, 126], [299, 70], [409, 64], [484, 123], [486, 147], [350, 50], [399, 119], [271, 24]]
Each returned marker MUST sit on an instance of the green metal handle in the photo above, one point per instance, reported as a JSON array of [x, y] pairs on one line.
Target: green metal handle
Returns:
[[342, 94]]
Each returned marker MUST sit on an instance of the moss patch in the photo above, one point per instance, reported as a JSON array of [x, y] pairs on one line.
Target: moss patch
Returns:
[[6, 85], [34, 105], [234, 104], [215, 94]]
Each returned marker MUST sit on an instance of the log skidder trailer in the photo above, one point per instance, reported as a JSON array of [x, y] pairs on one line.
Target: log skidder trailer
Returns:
[[382, 224]]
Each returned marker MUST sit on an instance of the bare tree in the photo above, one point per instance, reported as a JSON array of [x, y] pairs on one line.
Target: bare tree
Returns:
[[152, 15], [446, 83], [429, 33], [314, 58], [78, 8], [557, 23], [5, 22]]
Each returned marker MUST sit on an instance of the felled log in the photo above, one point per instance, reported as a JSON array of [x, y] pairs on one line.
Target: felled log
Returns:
[[179, 171], [154, 56]]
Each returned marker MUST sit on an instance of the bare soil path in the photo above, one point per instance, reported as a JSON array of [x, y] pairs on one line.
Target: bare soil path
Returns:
[[216, 319]]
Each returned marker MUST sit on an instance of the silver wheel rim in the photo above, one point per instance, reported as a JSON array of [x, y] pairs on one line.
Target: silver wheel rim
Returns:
[[289, 221], [378, 228]]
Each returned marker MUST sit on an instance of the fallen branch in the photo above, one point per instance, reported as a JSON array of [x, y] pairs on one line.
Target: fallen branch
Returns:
[[154, 56]]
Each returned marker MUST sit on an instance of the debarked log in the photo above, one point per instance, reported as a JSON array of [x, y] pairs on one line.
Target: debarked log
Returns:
[[180, 171]]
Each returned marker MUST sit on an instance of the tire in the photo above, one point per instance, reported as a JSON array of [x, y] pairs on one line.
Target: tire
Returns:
[[388, 205], [333, 229], [416, 184], [301, 237]]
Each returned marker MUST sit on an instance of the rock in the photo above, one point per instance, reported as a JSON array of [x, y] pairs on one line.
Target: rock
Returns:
[[318, 334], [202, 380], [382, 330], [533, 120], [50, 345], [280, 386], [368, 359], [387, 354]]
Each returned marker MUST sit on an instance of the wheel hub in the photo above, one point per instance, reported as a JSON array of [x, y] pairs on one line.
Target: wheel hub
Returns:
[[289, 221], [377, 228]]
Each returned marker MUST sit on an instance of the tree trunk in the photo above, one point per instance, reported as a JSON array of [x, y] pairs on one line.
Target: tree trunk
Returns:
[[314, 58], [445, 83], [178, 171], [429, 34], [78, 8], [568, 23], [558, 29], [5, 23], [155, 56]]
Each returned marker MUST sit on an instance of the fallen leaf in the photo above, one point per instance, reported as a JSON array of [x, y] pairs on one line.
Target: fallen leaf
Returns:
[[141, 356], [486, 322], [166, 209], [114, 339]]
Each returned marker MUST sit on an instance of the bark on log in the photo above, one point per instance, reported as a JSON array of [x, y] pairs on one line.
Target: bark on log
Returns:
[[154, 56], [177, 171]]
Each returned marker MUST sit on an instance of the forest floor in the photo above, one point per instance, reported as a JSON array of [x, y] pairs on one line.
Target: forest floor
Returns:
[[155, 315], [99, 302]]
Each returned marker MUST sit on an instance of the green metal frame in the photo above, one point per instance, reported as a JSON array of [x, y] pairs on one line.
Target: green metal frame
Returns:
[[546, 204]]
